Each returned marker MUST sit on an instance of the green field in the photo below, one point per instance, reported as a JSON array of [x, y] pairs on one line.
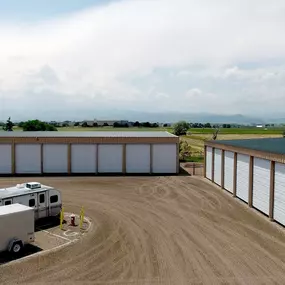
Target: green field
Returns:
[[239, 131], [203, 132]]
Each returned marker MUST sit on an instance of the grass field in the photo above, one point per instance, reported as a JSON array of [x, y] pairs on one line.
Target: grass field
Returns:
[[203, 132]]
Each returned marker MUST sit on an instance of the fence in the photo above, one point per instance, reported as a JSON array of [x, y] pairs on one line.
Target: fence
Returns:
[[193, 168]]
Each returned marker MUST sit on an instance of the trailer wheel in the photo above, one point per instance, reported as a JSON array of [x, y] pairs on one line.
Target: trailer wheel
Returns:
[[17, 247]]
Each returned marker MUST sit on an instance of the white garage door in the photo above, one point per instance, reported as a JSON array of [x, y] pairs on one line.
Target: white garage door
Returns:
[[5, 159], [110, 158], [28, 158], [229, 171], [261, 185], [83, 158], [55, 157], [217, 166], [242, 176], [138, 158], [164, 158], [279, 194], [209, 151]]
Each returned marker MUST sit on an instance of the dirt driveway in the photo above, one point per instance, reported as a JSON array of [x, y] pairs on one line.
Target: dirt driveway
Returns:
[[157, 230]]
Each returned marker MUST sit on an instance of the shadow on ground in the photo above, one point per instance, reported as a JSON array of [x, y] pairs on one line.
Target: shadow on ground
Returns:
[[183, 172], [47, 223], [29, 249], [43, 224]]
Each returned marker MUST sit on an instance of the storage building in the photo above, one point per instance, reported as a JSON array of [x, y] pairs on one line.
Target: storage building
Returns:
[[253, 170], [88, 153]]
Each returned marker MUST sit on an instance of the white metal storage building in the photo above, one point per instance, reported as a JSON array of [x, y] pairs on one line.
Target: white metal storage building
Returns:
[[29, 153], [253, 170]]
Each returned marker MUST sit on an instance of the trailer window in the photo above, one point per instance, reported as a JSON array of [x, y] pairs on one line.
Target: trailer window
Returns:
[[8, 202], [42, 198], [53, 199], [32, 203]]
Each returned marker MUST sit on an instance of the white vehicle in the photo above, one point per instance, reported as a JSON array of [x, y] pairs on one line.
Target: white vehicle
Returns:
[[17, 224], [45, 200]]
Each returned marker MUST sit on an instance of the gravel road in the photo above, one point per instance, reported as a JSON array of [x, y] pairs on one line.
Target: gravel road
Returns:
[[157, 230]]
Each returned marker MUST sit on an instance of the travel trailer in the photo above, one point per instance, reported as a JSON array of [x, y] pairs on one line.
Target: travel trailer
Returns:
[[17, 224], [45, 200]]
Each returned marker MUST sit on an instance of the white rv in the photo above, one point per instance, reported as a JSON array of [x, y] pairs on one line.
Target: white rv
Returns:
[[45, 200]]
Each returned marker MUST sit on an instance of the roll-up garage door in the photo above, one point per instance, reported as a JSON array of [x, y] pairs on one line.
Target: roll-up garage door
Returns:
[[242, 176], [55, 157], [279, 194], [5, 159], [83, 158], [138, 158], [229, 171], [261, 185], [110, 158], [217, 166], [209, 151], [164, 158], [28, 158]]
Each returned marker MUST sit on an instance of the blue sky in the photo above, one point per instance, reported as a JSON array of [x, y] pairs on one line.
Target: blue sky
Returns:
[[225, 57], [30, 10]]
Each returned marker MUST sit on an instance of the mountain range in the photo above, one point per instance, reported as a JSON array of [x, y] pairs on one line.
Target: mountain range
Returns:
[[162, 117]]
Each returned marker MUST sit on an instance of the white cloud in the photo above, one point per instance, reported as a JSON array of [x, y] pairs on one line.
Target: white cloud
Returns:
[[94, 55]]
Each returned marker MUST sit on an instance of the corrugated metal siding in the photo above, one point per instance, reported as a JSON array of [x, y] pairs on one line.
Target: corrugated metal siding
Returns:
[[229, 171], [217, 167], [279, 195], [243, 176], [261, 185], [5, 159], [209, 152]]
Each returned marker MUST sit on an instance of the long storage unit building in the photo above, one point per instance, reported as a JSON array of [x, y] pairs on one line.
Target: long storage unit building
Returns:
[[30, 153], [252, 170]]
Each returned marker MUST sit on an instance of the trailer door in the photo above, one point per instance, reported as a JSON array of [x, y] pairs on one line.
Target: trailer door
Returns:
[[42, 205]]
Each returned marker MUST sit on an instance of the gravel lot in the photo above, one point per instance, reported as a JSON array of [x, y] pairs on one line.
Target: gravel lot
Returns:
[[157, 230]]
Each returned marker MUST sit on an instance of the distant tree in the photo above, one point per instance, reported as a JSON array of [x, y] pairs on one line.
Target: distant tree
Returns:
[[65, 125], [20, 125], [84, 125], [154, 125], [283, 134], [165, 125], [95, 124], [117, 125], [181, 128], [136, 124], [208, 126], [76, 124], [126, 125], [184, 150], [146, 124], [37, 125], [105, 125], [8, 127]]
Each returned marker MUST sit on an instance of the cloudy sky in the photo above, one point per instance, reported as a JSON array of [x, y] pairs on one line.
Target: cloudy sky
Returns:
[[223, 57]]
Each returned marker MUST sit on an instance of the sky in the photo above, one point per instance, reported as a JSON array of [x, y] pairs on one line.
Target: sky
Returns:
[[62, 57]]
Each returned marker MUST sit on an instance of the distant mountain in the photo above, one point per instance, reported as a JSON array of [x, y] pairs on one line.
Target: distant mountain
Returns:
[[131, 115]]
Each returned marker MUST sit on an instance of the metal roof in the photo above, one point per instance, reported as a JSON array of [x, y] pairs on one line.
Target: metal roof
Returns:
[[128, 134], [20, 189], [271, 145], [13, 208]]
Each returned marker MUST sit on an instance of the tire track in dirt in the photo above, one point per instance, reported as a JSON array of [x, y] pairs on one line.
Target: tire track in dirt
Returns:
[[157, 230]]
